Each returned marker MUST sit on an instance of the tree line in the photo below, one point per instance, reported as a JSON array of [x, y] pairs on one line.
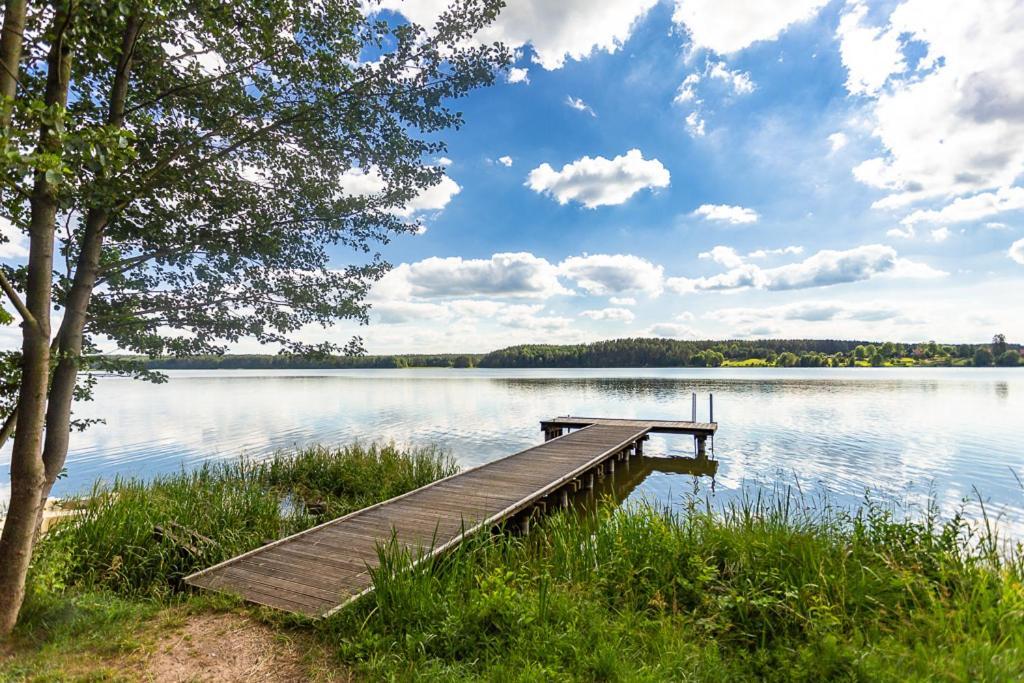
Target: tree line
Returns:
[[638, 352]]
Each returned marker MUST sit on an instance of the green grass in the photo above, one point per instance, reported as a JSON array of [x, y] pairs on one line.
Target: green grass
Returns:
[[765, 590], [777, 588]]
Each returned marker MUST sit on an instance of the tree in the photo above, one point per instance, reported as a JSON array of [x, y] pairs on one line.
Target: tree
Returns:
[[202, 159], [982, 357], [1008, 358], [998, 345]]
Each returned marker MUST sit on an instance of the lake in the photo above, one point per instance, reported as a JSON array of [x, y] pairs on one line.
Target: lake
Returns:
[[902, 433]]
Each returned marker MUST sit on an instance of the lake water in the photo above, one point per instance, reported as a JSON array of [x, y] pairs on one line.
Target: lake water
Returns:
[[902, 433]]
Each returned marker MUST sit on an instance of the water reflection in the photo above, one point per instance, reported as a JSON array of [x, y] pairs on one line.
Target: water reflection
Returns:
[[629, 476], [940, 431]]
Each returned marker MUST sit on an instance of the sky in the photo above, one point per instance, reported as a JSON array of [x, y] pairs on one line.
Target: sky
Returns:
[[718, 169]]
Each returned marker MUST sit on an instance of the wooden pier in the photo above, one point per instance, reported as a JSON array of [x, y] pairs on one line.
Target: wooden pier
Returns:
[[318, 571]]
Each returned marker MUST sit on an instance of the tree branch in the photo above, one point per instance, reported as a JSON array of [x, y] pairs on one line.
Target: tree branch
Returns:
[[12, 294]]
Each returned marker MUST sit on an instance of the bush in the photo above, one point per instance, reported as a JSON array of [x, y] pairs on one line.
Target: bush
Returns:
[[983, 357]]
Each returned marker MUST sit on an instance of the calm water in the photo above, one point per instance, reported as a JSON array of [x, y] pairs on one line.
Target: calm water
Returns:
[[901, 433]]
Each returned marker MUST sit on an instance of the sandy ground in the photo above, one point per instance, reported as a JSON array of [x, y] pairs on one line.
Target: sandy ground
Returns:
[[222, 647]]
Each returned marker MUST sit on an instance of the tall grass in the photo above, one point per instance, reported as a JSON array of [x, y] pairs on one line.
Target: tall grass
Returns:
[[140, 538], [764, 589]]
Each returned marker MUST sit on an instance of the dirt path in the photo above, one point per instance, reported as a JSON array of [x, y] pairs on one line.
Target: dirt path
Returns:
[[223, 647]]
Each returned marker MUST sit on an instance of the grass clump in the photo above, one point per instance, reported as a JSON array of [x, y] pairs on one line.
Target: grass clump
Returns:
[[763, 590]]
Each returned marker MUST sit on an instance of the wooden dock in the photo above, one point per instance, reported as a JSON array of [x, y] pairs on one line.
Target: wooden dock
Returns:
[[320, 570]]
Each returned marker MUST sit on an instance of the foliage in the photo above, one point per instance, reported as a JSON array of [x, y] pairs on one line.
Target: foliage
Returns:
[[777, 589], [983, 357], [1009, 358], [292, 361], [236, 505]]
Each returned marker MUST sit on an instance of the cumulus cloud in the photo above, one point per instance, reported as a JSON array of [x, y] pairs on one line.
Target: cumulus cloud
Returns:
[[965, 209], [526, 317], [825, 268], [508, 274], [739, 82], [730, 25], [505, 160], [599, 181], [571, 29], [671, 331], [13, 242], [360, 182], [782, 251], [578, 104], [604, 274], [621, 314], [727, 256], [951, 120], [903, 233], [940, 234], [518, 75], [735, 215], [622, 301], [1016, 251]]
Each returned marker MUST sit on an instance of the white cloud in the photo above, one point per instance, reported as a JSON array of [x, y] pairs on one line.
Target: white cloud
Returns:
[[621, 314], [578, 104], [695, 124], [444, 161], [994, 225], [518, 75], [782, 251], [1016, 251], [604, 274], [433, 198], [738, 81], [686, 316], [509, 274], [362, 183], [671, 331], [557, 30], [837, 141], [727, 256], [525, 317], [736, 215], [688, 89], [622, 301], [15, 243], [808, 311], [951, 120], [395, 312], [940, 234], [599, 181], [731, 25], [902, 233], [869, 54], [505, 160], [973, 208], [825, 268]]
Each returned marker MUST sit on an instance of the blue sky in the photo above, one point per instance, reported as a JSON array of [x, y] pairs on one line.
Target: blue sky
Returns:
[[701, 169], [720, 169]]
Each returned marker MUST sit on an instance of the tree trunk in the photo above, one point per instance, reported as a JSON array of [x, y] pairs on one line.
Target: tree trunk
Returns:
[[71, 333], [27, 470], [11, 41]]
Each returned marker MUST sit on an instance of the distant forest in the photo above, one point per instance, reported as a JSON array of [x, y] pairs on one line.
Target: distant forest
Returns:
[[647, 352]]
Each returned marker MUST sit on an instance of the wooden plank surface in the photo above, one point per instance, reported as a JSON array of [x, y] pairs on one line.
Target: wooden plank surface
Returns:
[[321, 569], [653, 426]]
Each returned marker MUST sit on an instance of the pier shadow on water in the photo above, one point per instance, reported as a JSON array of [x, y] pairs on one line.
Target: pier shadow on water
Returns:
[[628, 476]]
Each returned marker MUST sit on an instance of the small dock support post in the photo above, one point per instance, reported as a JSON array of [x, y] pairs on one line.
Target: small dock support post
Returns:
[[702, 451], [590, 481]]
